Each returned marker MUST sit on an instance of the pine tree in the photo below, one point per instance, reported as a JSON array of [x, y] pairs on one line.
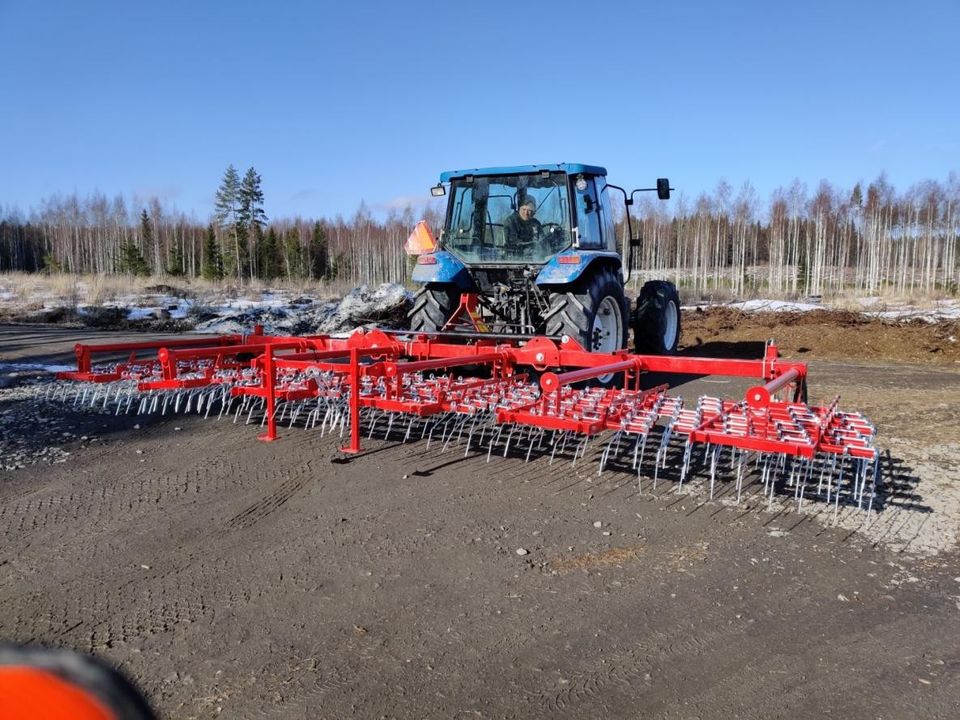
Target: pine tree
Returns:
[[212, 268], [292, 253], [250, 212], [175, 261], [131, 259], [319, 254], [268, 255], [227, 214]]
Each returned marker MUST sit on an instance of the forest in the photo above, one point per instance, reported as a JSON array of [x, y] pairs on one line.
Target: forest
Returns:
[[867, 239]]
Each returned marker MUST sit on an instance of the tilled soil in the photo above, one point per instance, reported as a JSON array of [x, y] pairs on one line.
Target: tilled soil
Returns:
[[821, 334], [246, 579]]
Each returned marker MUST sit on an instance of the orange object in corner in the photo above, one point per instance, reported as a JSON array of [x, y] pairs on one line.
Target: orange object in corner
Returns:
[[421, 240], [30, 693]]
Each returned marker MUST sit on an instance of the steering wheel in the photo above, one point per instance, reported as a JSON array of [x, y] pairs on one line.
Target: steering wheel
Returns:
[[552, 234]]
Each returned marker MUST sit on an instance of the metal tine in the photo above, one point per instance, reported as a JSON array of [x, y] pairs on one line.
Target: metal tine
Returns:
[[315, 414], [312, 408], [435, 423], [427, 425], [373, 423], [455, 426], [565, 435], [661, 458], [823, 468], [250, 412], [524, 430], [211, 396], [449, 426], [506, 447], [836, 494], [390, 419], [714, 459], [493, 441], [873, 482], [641, 444], [741, 471], [615, 440], [765, 470], [778, 469], [684, 466], [240, 406], [410, 423], [326, 416], [581, 449], [129, 402], [798, 490], [540, 434], [462, 423], [473, 426]]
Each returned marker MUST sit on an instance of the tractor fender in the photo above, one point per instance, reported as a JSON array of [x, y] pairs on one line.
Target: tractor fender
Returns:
[[565, 267], [445, 269]]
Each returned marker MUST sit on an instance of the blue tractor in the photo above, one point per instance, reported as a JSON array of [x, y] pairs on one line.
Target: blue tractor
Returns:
[[536, 246]]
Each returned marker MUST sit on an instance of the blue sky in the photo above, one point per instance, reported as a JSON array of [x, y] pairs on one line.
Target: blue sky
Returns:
[[338, 103]]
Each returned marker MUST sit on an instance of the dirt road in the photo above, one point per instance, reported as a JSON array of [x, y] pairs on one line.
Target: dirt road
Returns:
[[252, 580]]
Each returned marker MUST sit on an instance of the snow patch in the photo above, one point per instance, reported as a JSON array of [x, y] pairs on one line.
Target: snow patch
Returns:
[[11, 367]]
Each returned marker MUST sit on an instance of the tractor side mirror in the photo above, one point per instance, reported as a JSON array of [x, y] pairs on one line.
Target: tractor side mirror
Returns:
[[635, 242], [663, 188]]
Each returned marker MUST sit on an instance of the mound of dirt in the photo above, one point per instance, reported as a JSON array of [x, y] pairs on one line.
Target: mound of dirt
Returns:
[[820, 334]]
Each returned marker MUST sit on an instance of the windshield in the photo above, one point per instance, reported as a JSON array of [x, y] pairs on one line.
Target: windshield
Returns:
[[508, 218]]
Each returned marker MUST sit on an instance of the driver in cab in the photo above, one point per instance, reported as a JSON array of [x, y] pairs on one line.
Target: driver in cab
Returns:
[[520, 227]]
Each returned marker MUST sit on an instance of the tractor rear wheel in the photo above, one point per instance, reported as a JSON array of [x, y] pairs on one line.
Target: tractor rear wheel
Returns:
[[433, 305], [656, 329], [593, 311]]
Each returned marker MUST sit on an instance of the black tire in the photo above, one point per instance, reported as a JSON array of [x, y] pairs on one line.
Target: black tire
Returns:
[[433, 305], [573, 311], [656, 326]]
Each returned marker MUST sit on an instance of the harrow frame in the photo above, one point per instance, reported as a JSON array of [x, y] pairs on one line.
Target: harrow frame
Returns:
[[534, 384]]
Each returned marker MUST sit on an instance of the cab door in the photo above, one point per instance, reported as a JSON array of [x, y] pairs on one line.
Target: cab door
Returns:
[[588, 216]]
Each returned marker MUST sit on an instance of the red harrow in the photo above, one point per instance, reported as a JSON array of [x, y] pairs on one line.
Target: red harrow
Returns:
[[491, 394]]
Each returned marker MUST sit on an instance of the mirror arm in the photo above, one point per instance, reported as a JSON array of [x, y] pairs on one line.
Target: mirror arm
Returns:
[[628, 246], [653, 189]]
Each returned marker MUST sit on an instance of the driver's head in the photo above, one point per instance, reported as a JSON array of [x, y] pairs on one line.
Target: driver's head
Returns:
[[527, 208]]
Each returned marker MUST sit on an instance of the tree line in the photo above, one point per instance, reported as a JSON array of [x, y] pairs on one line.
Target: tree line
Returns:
[[864, 239], [833, 240]]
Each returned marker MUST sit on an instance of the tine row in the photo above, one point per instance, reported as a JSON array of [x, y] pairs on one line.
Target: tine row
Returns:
[[788, 449]]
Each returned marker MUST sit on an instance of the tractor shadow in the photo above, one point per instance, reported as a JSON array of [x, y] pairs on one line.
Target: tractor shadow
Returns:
[[743, 350], [746, 350]]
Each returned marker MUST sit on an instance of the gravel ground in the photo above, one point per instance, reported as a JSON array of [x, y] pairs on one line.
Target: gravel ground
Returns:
[[244, 579]]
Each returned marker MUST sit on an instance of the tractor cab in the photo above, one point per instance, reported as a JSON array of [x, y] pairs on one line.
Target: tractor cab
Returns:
[[525, 215], [532, 250]]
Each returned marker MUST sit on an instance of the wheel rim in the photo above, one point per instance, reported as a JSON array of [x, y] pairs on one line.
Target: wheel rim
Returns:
[[607, 330], [671, 321]]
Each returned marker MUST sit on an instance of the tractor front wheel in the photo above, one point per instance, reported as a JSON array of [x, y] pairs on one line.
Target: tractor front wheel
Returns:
[[433, 305]]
